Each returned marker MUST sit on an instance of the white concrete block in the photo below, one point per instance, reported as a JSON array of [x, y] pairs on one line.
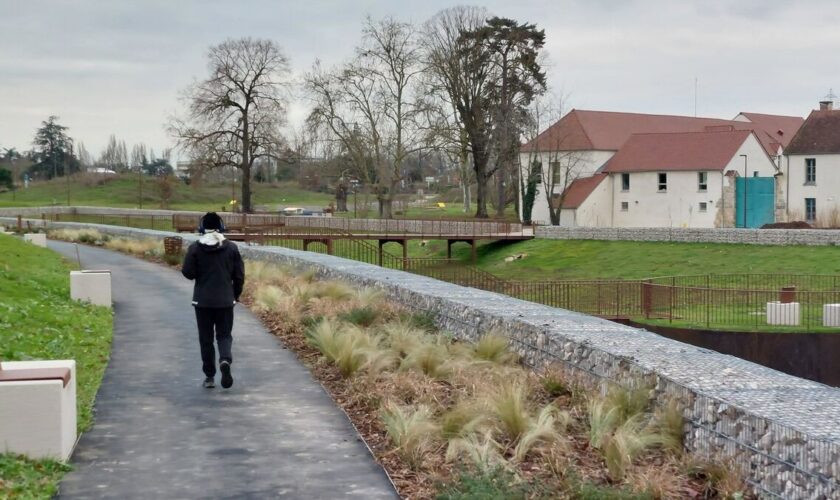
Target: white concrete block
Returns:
[[779, 313], [92, 286], [39, 239], [831, 315], [38, 417]]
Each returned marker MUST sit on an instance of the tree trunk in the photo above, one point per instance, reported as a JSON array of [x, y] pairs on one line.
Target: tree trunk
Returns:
[[554, 214], [465, 187], [480, 166], [500, 191], [246, 167]]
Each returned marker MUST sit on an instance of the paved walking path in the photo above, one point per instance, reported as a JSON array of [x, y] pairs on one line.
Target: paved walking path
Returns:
[[159, 434]]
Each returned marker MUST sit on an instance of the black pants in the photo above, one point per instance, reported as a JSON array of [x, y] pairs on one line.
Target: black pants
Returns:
[[216, 322]]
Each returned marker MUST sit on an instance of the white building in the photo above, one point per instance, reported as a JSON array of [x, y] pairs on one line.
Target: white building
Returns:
[[812, 169], [583, 142], [684, 179]]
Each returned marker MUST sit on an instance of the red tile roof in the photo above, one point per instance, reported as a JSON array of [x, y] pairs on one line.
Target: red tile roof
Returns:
[[781, 128], [682, 151], [582, 130], [580, 189], [820, 134]]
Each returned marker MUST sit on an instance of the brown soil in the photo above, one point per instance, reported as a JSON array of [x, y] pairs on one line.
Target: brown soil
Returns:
[[798, 224]]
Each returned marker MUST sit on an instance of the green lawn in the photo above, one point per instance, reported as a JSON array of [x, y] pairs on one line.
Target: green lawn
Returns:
[[39, 321], [578, 259], [123, 192]]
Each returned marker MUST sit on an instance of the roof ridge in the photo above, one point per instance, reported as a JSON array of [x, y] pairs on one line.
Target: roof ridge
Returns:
[[696, 132], [651, 114]]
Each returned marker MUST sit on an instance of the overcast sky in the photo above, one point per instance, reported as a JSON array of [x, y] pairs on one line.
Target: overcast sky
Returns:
[[116, 66]]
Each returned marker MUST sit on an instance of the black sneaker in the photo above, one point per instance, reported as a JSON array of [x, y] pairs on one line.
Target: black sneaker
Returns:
[[227, 379], [209, 383]]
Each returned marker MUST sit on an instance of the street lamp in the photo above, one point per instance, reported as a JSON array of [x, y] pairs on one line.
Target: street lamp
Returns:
[[745, 190]]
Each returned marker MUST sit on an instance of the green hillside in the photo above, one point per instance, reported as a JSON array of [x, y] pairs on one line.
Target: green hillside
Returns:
[[124, 191]]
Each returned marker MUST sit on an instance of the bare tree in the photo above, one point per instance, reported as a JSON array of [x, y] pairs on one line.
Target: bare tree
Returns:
[[85, 157], [460, 68], [115, 155], [563, 165], [235, 115], [372, 107]]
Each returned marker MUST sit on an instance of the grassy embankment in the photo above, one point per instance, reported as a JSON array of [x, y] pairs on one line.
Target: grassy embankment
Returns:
[[577, 259], [123, 192], [39, 321]]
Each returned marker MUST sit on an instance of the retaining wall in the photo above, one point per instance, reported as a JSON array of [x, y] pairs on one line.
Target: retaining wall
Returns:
[[783, 431], [686, 235]]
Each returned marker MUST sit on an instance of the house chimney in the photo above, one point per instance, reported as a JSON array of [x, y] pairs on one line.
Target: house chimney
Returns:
[[826, 105]]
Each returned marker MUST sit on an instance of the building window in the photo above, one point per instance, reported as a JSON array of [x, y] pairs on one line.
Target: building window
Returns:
[[702, 181], [810, 170], [663, 182], [810, 209], [556, 173], [625, 206], [703, 206], [625, 182]]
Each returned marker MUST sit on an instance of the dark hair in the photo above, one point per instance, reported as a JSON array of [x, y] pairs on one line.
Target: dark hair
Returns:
[[212, 222]]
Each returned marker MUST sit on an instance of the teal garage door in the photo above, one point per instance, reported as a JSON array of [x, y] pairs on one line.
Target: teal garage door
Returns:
[[755, 198]]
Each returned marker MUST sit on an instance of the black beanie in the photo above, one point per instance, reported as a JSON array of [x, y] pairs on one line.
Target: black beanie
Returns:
[[211, 222]]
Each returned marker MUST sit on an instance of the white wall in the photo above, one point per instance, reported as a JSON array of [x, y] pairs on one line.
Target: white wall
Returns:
[[595, 211], [679, 205], [826, 190], [585, 164]]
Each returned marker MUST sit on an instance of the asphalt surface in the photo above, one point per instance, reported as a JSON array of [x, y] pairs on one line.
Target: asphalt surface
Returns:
[[159, 434]]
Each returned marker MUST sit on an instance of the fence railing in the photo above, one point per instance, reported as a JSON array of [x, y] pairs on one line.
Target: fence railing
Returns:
[[276, 225], [711, 301]]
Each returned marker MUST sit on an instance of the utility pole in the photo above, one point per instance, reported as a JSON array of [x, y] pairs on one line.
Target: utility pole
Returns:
[[746, 179]]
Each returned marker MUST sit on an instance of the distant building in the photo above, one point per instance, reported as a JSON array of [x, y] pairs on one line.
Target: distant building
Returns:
[[583, 143], [812, 168]]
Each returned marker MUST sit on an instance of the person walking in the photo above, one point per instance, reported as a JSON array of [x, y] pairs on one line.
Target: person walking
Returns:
[[219, 273]]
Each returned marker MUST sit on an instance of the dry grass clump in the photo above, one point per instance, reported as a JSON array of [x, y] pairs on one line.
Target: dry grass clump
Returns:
[[622, 429], [494, 348], [88, 236], [412, 431], [142, 248], [267, 274], [429, 406]]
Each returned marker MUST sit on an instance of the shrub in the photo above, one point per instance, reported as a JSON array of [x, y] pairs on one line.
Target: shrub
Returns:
[[268, 297], [720, 477], [333, 290], [554, 383], [603, 419], [402, 336], [423, 321], [670, 422], [484, 452], [510, 409], [262, 272], [628, 403], [463, 419], [542, 430], [412, 432], [628, 441], [494, 484], [494, 348], [369, 296], [430, 359], [173, 259], [361, 316], [325, 337]]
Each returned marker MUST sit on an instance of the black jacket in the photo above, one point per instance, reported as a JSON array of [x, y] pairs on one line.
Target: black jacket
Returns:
[[218, 272]]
